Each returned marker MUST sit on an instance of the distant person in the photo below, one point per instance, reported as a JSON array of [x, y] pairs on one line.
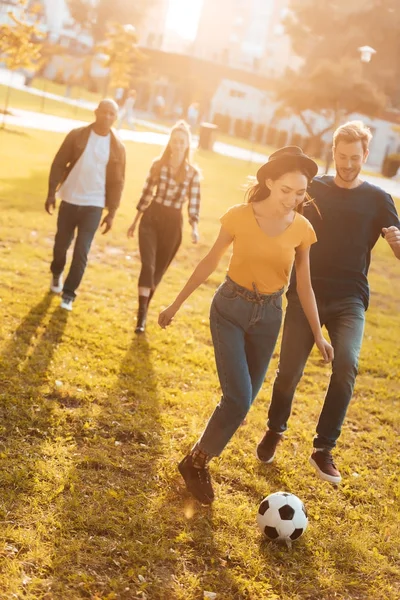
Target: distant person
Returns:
[[159, 105], [172, 181], [351, 216], [126, 114], [178, 111], [268, 234], [88, 175], [193, 115], [119, 95]]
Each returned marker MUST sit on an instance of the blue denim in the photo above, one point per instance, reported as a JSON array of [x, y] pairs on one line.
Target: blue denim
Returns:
[[244, 328], [344, 320], [71, 217]]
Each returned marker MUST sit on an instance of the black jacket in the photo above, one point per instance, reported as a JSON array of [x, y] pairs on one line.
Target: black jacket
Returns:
[[72, 149]]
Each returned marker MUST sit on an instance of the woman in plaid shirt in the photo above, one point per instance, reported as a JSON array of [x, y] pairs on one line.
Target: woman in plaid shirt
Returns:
[[171, 181]]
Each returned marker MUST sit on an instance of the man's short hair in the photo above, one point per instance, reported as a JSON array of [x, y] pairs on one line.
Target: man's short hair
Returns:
[[353, 131]]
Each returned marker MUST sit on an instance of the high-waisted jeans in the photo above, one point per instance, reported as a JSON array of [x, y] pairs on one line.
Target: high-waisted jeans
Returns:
[[244, 327]]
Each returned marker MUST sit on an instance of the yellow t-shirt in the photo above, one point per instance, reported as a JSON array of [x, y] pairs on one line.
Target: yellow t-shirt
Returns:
[[257, 257]]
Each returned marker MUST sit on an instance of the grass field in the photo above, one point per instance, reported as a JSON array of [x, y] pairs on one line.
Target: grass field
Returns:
[[94, 421], [26, 101]]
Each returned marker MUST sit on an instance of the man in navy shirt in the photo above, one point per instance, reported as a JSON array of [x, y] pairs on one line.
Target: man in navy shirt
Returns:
[[352, 216]]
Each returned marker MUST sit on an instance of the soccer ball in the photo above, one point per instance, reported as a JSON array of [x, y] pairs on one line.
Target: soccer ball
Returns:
[[282, 516]]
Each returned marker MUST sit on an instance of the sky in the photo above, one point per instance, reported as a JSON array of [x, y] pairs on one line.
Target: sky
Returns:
[[183, 16]]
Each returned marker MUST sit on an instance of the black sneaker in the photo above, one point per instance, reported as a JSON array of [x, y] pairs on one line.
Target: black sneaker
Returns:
[[267, 447], [198, 481], [322, 461]]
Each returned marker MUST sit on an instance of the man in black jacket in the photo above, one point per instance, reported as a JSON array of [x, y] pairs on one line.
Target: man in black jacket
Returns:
[[88, 174]]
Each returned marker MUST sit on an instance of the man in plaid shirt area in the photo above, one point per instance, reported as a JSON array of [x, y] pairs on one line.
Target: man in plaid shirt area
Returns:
[[171, 182]]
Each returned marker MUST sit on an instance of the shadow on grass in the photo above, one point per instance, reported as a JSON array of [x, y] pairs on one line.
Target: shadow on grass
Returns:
[[26, 418], [125, 525], [105, 515], [6, 129]]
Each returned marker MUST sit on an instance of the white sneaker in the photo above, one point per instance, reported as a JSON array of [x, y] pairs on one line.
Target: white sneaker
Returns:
[[66, 303], [56, 285]]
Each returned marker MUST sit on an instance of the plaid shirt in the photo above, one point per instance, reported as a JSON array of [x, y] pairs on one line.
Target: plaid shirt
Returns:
[[170, 193]]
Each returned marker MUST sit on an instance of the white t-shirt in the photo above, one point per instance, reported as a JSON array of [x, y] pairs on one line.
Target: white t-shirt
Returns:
[[86, 183]]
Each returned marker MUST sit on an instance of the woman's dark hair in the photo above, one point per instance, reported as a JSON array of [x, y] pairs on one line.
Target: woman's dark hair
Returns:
[[164, 158], [260, 191]]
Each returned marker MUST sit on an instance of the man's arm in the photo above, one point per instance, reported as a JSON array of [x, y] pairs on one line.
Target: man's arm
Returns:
[[390, 224], [392, 236], [57, 170], [114, 193]]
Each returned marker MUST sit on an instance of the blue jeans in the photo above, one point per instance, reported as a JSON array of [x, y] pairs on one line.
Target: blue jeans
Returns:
[[86, 220], [244, 328], [344, 320]]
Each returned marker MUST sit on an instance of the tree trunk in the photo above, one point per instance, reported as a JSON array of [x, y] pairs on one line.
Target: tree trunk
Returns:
[[6, 101], [335, 125], [313, 145]]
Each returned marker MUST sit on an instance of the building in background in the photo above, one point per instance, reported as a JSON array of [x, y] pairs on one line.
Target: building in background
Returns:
[[245, 34], [56, 17], [151, 32]]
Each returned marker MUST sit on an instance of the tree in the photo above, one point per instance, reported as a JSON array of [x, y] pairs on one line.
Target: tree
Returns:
[[333, 90], [319, 31], [20, 45], [122, 55], [333, 81], [97, 18]]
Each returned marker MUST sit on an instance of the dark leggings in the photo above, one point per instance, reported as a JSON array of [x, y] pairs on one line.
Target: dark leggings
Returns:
[[160, 235]]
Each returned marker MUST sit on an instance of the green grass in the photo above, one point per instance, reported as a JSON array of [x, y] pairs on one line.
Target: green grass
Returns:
[[76, 92], [91, 503], [26, 101], [21, 99]]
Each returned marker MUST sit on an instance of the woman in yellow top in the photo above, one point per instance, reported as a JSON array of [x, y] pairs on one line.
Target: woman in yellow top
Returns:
[[269, 234]]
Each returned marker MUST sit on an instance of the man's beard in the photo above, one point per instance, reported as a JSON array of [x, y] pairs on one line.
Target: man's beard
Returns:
[[348, 176]]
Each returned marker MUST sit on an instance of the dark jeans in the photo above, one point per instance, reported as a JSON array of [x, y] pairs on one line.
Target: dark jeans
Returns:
[[84, 219], [160, 235], [244, 328], [344, 320]]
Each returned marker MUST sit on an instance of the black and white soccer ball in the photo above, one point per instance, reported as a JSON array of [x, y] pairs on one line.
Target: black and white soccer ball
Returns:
[[282, 516]]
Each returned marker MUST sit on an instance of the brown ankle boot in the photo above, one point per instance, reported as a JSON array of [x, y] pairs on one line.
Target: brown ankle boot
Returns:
[[142, 314]]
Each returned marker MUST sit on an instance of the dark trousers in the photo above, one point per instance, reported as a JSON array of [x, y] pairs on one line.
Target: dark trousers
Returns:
[[344, 320], [160, 235], [84, 219]]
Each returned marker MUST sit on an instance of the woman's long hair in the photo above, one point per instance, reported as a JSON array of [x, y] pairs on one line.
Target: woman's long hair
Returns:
[[259, 191], [165, 156]]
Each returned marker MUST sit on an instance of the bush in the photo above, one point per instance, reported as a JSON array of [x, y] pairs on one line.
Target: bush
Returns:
[[391, 165]]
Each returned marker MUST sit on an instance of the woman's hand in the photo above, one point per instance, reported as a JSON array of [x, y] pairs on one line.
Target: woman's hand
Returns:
[[195, 233], [166, 316], [325, 349], [131, 230]]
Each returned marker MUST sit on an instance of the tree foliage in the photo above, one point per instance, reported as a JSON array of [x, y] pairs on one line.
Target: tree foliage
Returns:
[[20, 43], [334, 90], [122, 55], [335, 30]]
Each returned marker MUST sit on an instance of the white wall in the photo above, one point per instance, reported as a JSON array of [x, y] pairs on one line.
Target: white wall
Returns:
[[56, 15]]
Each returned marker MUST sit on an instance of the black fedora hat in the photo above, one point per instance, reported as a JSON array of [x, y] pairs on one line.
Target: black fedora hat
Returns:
[[293, 157]]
